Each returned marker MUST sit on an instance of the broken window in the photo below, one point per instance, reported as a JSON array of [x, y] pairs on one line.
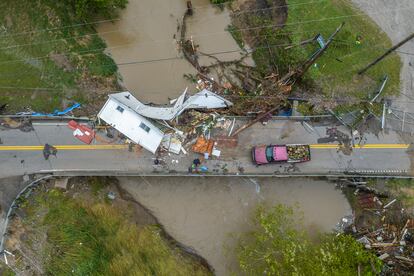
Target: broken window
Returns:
[[144, 127]]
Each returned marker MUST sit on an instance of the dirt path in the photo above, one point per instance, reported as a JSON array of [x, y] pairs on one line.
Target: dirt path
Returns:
[[208, 213], [395, 17]]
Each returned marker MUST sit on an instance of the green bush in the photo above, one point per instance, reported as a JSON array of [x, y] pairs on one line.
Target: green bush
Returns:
[[219, 1], [277, 247], [96, 239], [84, 9]]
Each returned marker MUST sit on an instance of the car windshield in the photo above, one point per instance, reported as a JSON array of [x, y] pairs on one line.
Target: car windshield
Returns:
[[269, 153]]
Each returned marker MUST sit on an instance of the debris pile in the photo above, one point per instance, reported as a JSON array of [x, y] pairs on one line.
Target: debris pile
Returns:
[[23, 124], [203, 146], [298, 152], [382, 225]]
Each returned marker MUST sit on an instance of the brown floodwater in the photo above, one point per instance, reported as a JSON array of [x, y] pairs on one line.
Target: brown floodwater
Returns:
[[147, 31], [208, 213]]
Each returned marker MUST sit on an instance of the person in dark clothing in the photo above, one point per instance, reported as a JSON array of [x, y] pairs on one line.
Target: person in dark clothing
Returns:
[[196, 162]]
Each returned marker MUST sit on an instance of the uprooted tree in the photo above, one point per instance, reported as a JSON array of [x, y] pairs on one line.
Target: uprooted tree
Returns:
[[277, 247]]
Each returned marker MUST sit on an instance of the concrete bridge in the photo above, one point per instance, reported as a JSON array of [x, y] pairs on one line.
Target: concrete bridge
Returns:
[[381, 155]]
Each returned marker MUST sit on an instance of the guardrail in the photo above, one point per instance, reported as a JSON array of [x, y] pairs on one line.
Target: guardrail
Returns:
[[336, 173], [50, 118], [12, 206]]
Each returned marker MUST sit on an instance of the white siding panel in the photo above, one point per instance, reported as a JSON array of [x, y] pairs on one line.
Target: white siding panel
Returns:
[[128, 123]]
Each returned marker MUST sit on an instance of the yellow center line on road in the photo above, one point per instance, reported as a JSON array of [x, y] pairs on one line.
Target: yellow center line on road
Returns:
[[114, 147], [64, 147], [366, 146]]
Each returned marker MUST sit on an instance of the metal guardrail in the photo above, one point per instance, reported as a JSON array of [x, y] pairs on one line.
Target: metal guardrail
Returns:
[[391, 173], [12, 206], [49, 118]]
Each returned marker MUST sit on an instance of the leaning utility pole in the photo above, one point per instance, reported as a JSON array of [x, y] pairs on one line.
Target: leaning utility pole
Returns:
[[392, 49], [318, 54], [299, 72]]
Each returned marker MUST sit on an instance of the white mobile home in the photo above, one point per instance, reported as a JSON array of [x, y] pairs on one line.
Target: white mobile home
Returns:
[[119, 112]]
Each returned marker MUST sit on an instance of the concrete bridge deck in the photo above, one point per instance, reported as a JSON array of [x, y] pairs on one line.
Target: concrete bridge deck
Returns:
[[385, 154]]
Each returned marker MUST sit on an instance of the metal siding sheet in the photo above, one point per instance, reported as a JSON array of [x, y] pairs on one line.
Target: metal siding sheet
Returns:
[[128, 123]]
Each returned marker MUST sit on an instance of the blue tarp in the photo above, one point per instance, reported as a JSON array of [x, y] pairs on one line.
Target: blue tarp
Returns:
[[286, 113], [57, 112]]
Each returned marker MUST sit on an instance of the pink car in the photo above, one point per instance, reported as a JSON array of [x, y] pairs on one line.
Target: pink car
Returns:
[[291, 153]]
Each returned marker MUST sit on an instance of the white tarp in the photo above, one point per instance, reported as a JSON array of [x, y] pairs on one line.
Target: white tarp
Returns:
[[204, 99]]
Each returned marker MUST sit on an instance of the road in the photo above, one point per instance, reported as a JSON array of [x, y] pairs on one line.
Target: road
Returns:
[[396, 19], [21, 153]]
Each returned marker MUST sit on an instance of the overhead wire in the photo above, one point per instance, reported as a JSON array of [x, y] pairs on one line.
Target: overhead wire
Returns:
[[269, 26], [95, 50], [120, 19], [232, 51], [155, 60]]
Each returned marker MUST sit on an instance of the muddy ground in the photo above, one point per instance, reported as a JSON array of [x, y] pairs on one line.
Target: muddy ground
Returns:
[[27, 238]]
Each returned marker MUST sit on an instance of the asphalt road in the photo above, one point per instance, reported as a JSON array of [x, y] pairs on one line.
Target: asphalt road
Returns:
[[21, 153]]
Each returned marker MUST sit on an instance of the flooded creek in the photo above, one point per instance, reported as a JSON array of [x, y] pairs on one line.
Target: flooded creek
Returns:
[[146, 36], [204, 213], [208, 213]]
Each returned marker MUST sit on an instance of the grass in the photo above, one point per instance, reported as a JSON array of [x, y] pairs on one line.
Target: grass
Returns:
[[45, 60], [87, 238], [334, 75], [336, 71], [237, 35], [403, 189], [5, 271]]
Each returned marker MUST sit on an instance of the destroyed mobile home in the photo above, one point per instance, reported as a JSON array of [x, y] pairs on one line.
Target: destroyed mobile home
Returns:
[[138, 121]]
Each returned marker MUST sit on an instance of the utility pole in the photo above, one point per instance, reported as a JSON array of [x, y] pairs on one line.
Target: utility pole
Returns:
[[392, 49], [312, 60], [299, 72]]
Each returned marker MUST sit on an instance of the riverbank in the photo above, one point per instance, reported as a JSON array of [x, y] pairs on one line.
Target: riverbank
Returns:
[[88, 225], [51, 58]]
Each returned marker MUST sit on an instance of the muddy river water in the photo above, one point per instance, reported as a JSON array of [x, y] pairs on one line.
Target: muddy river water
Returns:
[[208, 213], [145, 37], [204, 213]]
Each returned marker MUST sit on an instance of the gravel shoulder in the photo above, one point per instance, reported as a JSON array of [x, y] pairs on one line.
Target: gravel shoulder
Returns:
[[10, 188]]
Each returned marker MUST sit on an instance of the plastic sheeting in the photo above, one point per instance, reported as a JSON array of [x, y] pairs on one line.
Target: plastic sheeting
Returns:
[[57, 112]]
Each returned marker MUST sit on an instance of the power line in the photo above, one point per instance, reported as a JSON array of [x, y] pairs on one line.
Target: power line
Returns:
[[214, 53], [118, 30], [228, 96], [119, 19], [270, 26], [241, 29], [141, 42], [154, 60], [83, 52]]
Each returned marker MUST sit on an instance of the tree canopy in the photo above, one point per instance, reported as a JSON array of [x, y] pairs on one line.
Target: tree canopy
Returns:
[[84, 9], [278, 247]]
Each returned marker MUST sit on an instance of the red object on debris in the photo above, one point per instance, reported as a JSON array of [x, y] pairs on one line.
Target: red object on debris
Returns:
[[83, 133]]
